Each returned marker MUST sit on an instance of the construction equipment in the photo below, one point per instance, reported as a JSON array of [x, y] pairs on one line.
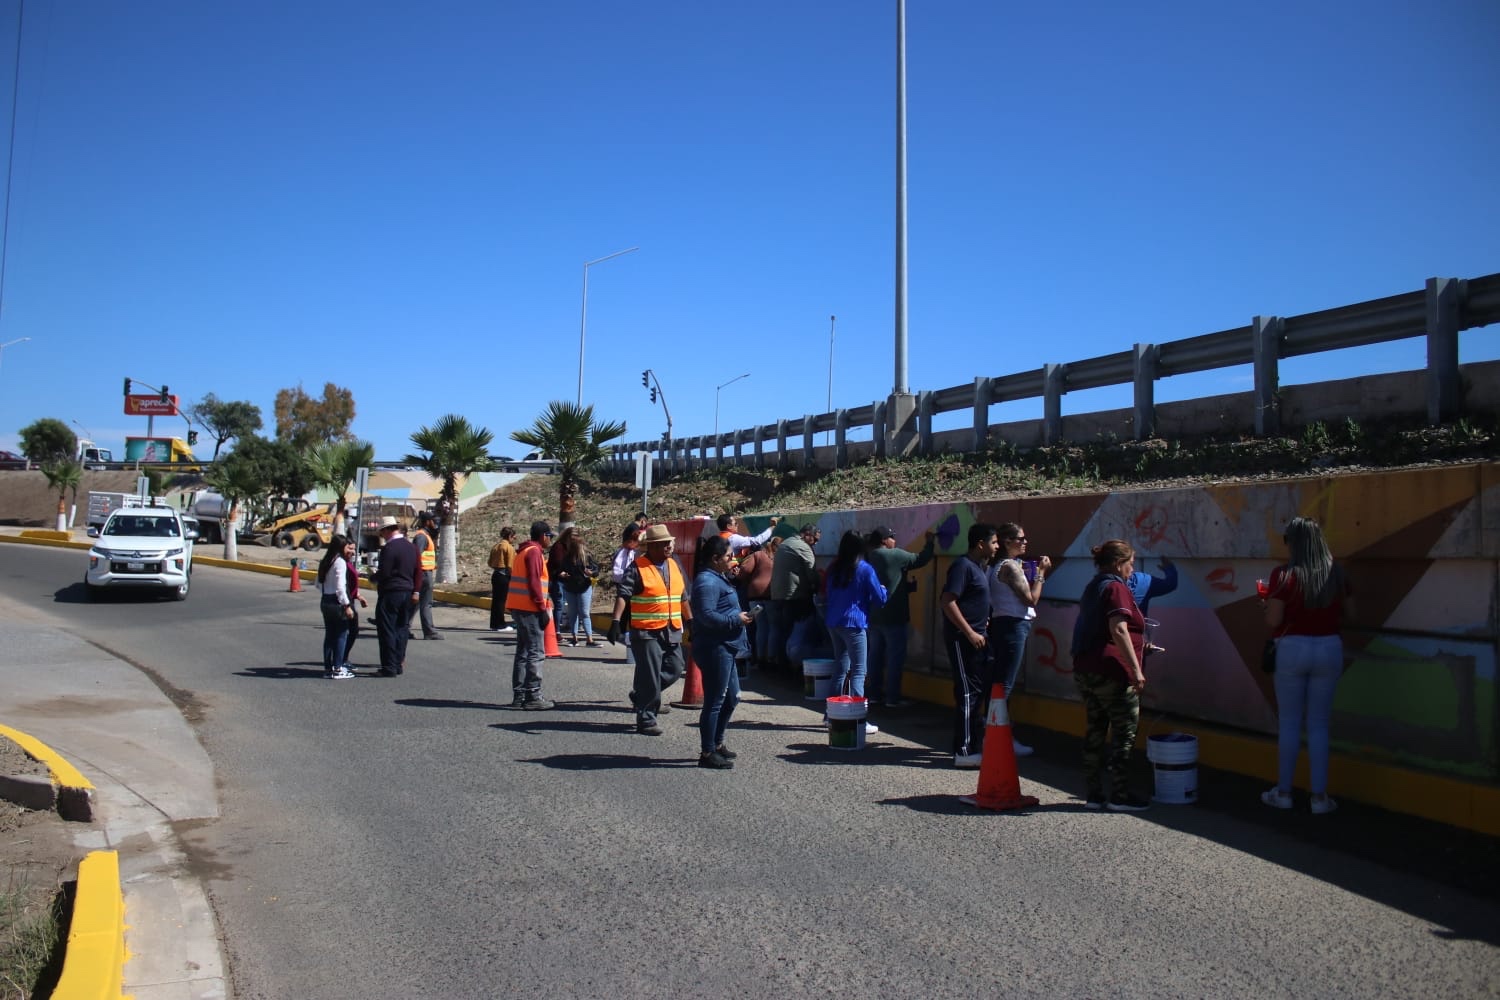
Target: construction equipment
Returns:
[[293, 524]]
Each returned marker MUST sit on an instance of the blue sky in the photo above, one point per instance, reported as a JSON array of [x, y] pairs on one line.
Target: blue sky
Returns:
[[401, 199]]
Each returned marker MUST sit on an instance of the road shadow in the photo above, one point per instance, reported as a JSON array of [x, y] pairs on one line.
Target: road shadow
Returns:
[[871, 755], [607, 762], [449, 703], [538, 722], [73, 593], [300, 671]]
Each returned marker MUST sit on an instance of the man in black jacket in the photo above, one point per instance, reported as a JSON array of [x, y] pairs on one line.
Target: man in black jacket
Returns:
[[398, 581]]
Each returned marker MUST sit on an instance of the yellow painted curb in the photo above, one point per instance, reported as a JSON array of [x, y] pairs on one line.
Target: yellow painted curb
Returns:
[[63, 773], [45, 533], [94, 962], [25, 539]]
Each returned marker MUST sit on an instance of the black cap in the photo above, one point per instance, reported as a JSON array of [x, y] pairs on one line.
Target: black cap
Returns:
[[882, 533], [539, 530]]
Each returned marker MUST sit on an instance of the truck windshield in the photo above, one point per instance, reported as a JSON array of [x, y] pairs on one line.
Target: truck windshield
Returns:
[[142, 527]]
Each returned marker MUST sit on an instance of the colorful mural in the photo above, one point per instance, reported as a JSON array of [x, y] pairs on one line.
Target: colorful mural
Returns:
[[1422, 548]]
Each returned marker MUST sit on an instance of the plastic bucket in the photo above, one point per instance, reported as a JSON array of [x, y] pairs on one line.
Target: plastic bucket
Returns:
[[817, 679], [846, 722], [1175, 759]]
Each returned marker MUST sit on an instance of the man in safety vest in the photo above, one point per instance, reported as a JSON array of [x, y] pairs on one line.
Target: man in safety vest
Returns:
[[425, 539], [653, 587], [531, 608]]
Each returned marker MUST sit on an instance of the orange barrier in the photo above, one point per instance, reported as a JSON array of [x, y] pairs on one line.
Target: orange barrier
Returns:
[[296, 585], [549, 641], [999, 782]]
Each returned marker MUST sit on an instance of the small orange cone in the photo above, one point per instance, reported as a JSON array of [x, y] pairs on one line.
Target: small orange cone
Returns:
[[296, 577], [692, 682], [549, 641], [999, 783]]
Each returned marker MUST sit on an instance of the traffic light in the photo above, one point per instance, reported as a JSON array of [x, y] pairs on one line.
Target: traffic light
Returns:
[[127, 387], [166, 397], [645, 381], [653, 395], [192, 438]]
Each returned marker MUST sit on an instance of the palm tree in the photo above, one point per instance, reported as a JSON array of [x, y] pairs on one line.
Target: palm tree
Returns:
[[237, 480], [567, 433], [63, 476], [454, 447], [334, 465]]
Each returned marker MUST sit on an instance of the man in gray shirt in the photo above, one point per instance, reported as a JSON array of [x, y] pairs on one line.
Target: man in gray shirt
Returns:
[[891, 624], [794, 583]]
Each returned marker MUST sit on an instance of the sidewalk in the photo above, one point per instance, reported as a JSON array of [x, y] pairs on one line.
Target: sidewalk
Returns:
[[149, 771]]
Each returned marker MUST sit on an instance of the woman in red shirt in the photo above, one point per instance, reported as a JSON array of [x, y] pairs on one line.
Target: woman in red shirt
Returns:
[[1306, 602]]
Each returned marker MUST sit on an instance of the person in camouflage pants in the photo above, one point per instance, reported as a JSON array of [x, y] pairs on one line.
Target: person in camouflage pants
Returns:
[[1111, 707]]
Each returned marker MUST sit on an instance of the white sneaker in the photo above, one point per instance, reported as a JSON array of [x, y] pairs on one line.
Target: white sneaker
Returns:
[[968, 761], [1021, 749], [870, 727], [508, 628], [1323, 806], [341, 674]]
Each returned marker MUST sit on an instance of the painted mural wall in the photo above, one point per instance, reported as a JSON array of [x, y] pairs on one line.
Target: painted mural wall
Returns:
[[1422, 548]]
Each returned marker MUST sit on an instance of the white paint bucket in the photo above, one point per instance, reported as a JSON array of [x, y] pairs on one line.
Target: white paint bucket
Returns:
[[817, 679], [846, 722], [1175, 758]]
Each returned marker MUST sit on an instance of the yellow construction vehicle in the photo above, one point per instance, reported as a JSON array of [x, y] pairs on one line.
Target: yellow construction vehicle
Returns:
[[294, 524]]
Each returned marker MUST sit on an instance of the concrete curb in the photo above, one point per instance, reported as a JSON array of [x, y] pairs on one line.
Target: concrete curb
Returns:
[[74, 793], [94, 960]]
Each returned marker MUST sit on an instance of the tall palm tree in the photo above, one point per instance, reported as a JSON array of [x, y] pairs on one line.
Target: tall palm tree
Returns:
[[333, 465], [237, 480], [454, 447], [63, 476], [568, 433]]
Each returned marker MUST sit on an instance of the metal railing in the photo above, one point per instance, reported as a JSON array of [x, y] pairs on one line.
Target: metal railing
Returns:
[[1439, 311]]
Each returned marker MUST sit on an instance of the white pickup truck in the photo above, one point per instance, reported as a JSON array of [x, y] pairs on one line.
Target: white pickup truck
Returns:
[[141, 546]]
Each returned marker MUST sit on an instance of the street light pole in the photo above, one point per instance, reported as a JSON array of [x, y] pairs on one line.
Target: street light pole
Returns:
[[583, 322], [901, 385], [716, 403], [831, 321]]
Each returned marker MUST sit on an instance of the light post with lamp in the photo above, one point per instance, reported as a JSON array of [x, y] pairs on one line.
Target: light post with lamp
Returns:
[[716, 403], [583, 322]]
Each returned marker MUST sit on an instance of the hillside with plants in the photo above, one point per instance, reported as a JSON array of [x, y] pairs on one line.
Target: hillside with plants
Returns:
[[604, 506]]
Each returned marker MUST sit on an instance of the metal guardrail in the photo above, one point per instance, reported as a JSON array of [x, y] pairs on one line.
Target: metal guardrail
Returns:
[[1439, 312]]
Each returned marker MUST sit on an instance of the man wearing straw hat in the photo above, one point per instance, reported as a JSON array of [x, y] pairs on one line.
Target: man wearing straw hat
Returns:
[[652, 588]]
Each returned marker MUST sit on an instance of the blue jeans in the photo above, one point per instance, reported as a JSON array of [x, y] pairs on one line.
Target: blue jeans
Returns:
[[526, 668], [721, 691], [576, 608], [1007, 645], [849, 659], [778, 629], [337, 628], [887, 659], [1308, 668]]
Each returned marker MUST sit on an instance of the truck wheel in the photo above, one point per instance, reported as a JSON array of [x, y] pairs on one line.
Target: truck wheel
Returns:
[[181, 593], [312, 542], [281, 540]]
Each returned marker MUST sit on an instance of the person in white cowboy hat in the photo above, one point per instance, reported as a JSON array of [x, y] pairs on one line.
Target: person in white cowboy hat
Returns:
[[398, 580], [652, 588]]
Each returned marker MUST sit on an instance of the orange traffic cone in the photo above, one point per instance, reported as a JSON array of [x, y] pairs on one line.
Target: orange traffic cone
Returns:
[[296, 577], [549, 641], [692, 682], [999, 784]]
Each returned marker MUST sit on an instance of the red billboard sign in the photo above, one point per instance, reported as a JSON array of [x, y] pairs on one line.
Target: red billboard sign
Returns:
[[150, 406]]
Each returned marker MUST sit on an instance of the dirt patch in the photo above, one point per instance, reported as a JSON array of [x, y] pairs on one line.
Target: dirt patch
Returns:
[[27, 500]]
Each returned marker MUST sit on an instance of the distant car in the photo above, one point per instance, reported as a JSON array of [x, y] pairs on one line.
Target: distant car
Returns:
[[532, 461], [141, 547], [10, 460]]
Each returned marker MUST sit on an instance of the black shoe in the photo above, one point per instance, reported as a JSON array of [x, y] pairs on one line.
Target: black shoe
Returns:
[[387, 672], [651, 730], [725, 752], [1127, 803], [538, 705], [665, 709], [714, 760], [517, 702], [1093, 800]]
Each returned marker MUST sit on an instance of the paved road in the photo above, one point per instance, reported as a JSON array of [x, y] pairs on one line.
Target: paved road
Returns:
[[412, 838]]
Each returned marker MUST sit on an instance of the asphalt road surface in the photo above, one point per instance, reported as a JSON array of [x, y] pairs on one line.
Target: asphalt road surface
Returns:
[[412, 837]]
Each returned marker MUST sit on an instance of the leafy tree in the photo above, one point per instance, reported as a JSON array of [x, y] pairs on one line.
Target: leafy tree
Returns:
[[226, 419], [305, 421], [48, 440], [255, 471], [63, 475], [334, 466], [568, 433], [454, 447]]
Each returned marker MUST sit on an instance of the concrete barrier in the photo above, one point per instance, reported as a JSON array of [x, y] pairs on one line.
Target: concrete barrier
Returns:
[[94, 962]]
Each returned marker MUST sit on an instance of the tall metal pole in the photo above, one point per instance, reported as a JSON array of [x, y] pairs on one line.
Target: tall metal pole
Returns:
[[901, 379], [831, 321], [583, 322], [716, 402]]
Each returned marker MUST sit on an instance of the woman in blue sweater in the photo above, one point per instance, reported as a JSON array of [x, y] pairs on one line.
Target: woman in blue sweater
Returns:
[[718, 640], [853, 591]]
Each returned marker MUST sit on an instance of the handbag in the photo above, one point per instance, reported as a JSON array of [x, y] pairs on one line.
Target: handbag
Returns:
[[1268, 657]]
